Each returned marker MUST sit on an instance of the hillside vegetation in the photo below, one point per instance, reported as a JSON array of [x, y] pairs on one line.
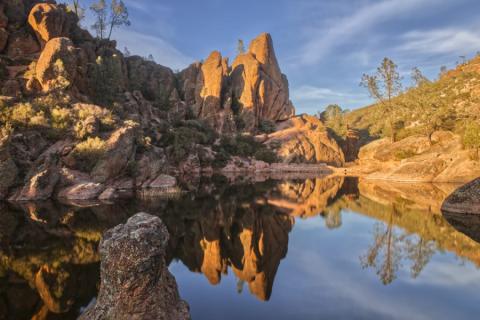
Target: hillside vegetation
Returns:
[[451, 103]]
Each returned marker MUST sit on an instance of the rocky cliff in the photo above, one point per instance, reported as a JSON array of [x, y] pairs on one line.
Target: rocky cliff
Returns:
[[82, 121]]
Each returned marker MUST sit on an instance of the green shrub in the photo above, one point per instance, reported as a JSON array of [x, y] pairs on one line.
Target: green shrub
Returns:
[[60, 118], [266, 126], [266, 155], [88, 152], [404, 154]]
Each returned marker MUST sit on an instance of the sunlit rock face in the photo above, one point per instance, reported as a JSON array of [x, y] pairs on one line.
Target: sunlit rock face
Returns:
[[304, 139], [48, 21], [253, 88], [416, 159], [212, 102], [260, 90]]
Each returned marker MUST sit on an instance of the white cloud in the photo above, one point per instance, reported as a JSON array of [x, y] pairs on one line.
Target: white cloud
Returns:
[[163, 51], [441, 41], [310, 95], [322, 40]]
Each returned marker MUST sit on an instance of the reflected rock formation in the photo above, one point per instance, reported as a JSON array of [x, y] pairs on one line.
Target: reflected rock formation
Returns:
[[228, 230], [48, 251], [48, 258], [306, 198]]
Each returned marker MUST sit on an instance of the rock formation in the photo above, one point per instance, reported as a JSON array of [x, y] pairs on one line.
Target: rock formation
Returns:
[[57, 65], [416, 159], [465, 200], [258, 84], [304, 139], [135, 281], [48, 21], [136, 120], [253, 88]]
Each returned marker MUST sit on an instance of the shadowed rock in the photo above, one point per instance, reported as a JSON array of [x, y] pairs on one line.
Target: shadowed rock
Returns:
[[464, 200], [136, 283]]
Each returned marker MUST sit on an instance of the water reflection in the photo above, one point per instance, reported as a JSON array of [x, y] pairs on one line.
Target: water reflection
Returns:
[[49, 262]]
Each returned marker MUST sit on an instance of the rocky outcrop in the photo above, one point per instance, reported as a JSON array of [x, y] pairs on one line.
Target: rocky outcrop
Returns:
[[465, 200], [22, 43], [135, 281], [416, 159], [44, 175], [211, 103], [57, 65], [48, 21], [260, 90], [120, 149], [253, 88], [304, 139], [156, 83]]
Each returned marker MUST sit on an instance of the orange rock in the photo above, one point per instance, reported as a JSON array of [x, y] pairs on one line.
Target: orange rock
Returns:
[[258, 84], [304, 139], [48, 22], [48, 70]]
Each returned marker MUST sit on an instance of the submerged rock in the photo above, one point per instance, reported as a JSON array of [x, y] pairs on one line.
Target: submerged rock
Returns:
[[135, 281]]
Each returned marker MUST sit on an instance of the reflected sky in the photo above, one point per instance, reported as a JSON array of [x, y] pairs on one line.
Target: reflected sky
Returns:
[[322, 277], [317, 248]]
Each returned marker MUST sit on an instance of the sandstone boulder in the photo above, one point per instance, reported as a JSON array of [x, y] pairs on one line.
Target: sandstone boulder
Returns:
[[304, 139], [48, 22], [57, 65], [135, 281], [41, 180]]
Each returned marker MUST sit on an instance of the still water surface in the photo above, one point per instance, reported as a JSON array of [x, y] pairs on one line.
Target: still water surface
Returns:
[[317, 248]]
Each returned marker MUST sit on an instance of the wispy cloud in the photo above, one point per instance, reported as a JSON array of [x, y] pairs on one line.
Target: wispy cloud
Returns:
[[324, 39], [441, 41], [163, 51], [318, 97]]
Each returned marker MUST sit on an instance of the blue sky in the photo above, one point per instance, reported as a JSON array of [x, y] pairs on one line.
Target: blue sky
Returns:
[[323, 46]]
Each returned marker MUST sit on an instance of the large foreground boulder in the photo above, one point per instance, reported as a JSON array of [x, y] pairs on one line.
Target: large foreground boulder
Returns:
[[135, 281], [465, 200]]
